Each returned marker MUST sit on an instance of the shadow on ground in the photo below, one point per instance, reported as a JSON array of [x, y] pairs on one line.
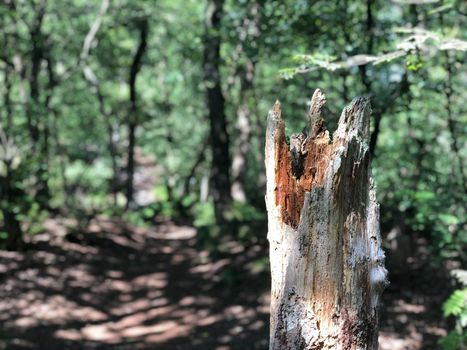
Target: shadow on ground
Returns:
[[120, 287]]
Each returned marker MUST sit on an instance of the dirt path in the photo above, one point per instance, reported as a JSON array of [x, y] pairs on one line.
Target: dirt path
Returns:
[[120, 287], [126, 288]]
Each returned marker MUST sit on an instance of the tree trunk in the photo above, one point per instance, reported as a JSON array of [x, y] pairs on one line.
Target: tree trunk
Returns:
[[219, 137], [327, 265], [7, 99], [12, 227], [242, 142], [34, 110], [143, 28], [8, 194], [246, 55]]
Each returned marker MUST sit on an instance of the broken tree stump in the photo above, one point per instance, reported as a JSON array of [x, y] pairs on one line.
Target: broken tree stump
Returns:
[[327, 264]]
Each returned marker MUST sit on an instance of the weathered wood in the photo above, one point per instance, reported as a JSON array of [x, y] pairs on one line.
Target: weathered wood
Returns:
[[327, 265]]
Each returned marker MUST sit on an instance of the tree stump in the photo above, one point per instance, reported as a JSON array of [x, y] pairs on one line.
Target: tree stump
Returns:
[[327, 264]]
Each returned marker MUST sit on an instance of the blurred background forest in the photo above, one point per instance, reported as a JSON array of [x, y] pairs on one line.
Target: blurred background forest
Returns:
[[132, 180]]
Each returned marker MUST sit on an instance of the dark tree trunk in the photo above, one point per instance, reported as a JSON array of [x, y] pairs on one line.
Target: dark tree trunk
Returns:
[[34, 110], [143, 28], [112, 148], [369, 39], [7, 100], [8, 193], [130, 168], [199, 160], [375, 133], [220, 175], [327, 265], [366, 81]]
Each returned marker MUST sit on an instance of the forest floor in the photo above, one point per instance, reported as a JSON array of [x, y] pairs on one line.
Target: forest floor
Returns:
[[116, 286]]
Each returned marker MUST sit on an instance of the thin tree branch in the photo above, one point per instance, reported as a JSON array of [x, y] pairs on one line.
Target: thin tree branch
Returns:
[[87, 44], [89, 39]]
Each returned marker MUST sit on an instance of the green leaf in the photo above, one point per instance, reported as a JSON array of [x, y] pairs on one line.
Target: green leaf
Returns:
[[448, 219], [456, 303], [288, 73], [424, 195], [451, 342]]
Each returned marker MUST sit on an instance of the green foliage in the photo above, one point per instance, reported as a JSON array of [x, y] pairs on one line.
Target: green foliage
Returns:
[[161, 193], [453, 341], [456, 306], [136, 217], [33, 218], [204, 214], [244, 212], [414, 62]]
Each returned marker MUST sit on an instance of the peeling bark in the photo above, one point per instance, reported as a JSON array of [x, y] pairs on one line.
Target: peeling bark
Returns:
[[327, 265]]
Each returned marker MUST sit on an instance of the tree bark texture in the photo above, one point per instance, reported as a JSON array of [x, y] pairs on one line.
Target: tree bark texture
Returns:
[[220, 170], [327, 264]]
